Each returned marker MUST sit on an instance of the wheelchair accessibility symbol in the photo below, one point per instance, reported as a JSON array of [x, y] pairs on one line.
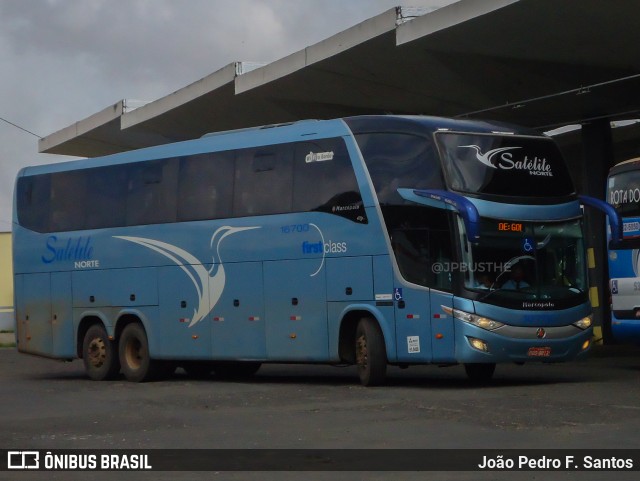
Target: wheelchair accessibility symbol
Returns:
[[397, 293], [528, 244]]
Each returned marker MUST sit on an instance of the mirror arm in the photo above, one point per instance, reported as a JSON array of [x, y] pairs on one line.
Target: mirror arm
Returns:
[[615, 222], [461, 205]]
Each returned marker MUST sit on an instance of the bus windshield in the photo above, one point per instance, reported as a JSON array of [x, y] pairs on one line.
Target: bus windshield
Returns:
[[527, 265], [513, 166], [623, 192]]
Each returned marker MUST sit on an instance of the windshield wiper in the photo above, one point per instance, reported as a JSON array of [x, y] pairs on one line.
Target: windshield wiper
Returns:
[[492, 290], [511, 262]]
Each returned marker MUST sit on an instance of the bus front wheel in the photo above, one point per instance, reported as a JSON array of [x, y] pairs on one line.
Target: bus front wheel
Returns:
[[99, 354], [137, 365], [371, 354]]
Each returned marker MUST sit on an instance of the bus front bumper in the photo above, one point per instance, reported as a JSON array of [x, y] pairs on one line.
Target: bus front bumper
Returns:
[[521, 344]]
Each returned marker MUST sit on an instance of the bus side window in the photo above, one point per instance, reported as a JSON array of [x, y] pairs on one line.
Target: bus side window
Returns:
[[33, 197], [324, 180], [421, 242], [440, 259], [106, 197], [263, 179], [411, 248], [68, 200], [152, 192], [205, 186], [397, 160]]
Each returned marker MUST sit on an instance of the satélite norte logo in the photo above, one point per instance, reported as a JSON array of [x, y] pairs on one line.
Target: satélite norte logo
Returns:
[[502, 158], [78, 250]]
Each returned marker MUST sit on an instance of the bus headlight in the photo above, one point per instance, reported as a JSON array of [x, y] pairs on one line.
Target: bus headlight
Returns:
[[584, 323], [482, 322]]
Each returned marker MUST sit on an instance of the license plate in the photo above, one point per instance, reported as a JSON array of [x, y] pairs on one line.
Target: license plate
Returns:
[[539, 352]]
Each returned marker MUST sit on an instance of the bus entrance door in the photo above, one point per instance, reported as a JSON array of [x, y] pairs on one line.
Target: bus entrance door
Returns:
[[413, 325], [442, 331]]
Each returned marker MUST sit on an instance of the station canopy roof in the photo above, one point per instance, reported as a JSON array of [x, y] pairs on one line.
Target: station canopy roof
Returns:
[[540, 63]]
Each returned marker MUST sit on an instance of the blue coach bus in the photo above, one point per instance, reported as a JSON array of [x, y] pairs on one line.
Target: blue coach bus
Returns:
[[623, 192], [369, 241]]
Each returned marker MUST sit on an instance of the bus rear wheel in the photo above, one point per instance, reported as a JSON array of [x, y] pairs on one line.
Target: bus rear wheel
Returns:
[[371, 354], [136, 363], [99, 354], [480, 373]]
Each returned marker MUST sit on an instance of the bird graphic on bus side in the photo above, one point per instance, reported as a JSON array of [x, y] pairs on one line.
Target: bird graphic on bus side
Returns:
[[209, 284]]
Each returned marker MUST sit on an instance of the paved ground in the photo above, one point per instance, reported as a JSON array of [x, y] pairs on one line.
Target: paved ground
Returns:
[[592, 404]]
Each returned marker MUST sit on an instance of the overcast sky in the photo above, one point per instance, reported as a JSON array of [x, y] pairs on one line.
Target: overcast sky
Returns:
[[63, 60]]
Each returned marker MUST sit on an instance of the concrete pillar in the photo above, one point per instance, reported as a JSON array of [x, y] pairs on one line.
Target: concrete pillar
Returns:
[[597, 159]]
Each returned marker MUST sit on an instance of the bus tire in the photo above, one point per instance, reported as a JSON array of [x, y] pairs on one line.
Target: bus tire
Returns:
[[371, 354], [236, 369], [137, 365], [99, 354], [480, 373]]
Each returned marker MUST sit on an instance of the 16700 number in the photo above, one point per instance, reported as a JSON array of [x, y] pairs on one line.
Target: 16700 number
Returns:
[[294, 228]]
